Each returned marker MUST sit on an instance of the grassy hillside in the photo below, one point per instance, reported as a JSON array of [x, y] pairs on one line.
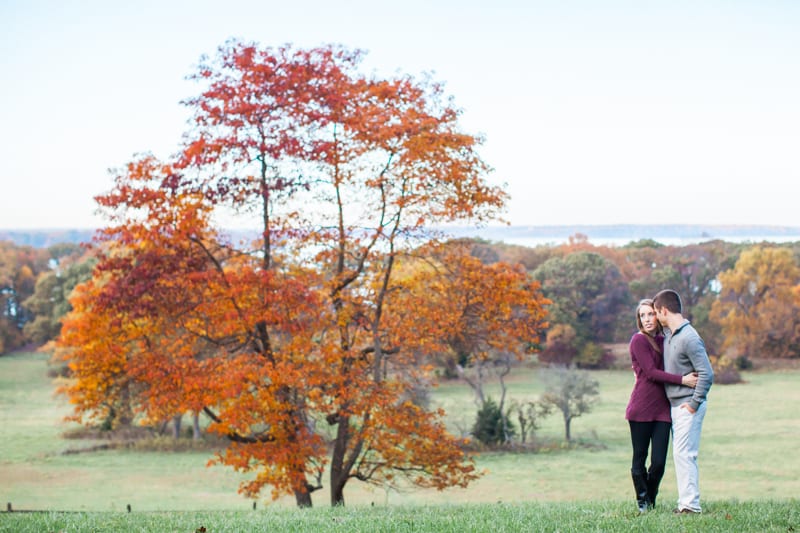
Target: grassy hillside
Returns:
[[747, 454], [761, 517]]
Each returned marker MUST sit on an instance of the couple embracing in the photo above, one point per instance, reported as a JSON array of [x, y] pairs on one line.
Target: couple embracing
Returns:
[[673, 376]]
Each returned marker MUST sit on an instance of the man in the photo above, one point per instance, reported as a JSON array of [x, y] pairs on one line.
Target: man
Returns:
[[684, 352]]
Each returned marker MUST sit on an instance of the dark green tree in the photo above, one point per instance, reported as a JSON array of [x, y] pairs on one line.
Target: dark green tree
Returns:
[[588, 293], [19, 268], [50, 299]]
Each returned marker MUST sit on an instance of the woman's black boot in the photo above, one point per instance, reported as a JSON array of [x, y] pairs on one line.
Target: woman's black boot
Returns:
[[640, 487], [652, 492], [653, 481]]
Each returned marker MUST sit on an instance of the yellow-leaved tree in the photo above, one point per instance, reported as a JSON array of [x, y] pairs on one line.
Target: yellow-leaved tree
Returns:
[[758, 307]]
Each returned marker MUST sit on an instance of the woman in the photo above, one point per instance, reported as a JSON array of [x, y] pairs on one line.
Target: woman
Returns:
[[648, 411]]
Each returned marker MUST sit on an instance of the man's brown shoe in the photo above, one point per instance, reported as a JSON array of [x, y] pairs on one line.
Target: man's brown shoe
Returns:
[[684, 511]]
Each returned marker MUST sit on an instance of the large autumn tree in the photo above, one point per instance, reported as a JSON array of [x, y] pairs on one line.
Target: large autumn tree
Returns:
[[175, 320], [278, 336]]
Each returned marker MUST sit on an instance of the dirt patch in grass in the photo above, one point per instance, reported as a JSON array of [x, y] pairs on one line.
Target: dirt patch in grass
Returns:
[[775, 365], [94, 433], [136, 438]]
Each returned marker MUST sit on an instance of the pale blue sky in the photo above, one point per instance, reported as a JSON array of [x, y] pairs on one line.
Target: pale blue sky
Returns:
[[595, 112]]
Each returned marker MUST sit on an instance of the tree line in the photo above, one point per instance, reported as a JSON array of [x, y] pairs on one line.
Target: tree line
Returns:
[[742, 296], [35, 285]]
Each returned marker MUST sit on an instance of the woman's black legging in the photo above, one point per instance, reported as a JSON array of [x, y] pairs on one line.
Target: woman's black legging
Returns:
[[642, 435]]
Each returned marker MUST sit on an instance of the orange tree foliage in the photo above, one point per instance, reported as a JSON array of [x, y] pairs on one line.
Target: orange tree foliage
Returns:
[[475, 319], [486, 316], [759, 305], [185, 324], [292, 342]]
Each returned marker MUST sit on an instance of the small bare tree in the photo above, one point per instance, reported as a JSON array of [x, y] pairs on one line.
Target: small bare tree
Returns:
[[571, 391], [529, 415]]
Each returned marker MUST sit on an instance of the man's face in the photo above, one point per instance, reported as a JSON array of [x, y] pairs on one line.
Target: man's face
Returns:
[[661, 315]]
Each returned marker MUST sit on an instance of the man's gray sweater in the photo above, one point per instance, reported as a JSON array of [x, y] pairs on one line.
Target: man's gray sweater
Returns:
[[685, 352]]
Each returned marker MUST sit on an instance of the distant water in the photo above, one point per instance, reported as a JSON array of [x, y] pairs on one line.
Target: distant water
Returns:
[[531, 236], [620, 235], [532, 242]]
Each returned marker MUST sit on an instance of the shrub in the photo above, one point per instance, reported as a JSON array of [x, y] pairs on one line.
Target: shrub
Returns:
[[595, 356], [725, 372], [488, 428], [743, 363], [560, 345]]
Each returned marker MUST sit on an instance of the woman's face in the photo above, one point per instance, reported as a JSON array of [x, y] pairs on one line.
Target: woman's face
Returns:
[[648, 317]]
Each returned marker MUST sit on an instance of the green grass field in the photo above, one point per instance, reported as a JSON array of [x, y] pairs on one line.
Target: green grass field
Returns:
[[748, 455], [761, 517]]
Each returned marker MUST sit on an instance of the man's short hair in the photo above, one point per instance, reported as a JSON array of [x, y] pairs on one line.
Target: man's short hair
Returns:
[[669, 299]]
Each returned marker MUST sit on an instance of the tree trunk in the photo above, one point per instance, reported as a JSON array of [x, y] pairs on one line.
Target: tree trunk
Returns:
[[476, 385], [567, 422], [176, 426], [523, 424], [337, 496], [196, 433], [125, 413], [338, 469], [303, 498], [503, 389]]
